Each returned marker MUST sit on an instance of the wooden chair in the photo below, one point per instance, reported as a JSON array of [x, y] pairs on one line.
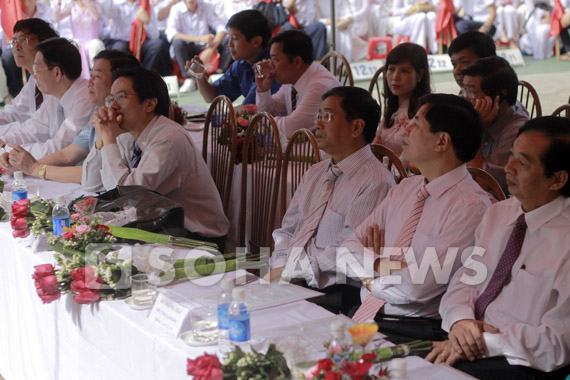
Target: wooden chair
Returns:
[[565, 108], [302, 151], [263, 148], [375, 88], [487, 182], [338, 65], [528, 96], [220, 135], [381, 151]]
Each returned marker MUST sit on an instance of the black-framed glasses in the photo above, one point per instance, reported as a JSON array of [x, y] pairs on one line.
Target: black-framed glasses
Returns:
[[325, 117], [119, 97]]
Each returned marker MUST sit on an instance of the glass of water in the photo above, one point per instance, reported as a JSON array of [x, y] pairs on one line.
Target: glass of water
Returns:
[[143, 291], [204, 322], [196, 70]]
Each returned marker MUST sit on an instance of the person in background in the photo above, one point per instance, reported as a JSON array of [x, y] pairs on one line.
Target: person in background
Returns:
[[506, 310], [417, 22], [306, 15], [406, 79], [475, 15]]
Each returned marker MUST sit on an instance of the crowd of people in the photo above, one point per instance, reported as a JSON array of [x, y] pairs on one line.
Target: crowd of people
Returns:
[[433, 257]]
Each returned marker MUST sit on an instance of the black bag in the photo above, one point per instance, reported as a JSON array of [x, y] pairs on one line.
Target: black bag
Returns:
[[275, 13], [155, 212]]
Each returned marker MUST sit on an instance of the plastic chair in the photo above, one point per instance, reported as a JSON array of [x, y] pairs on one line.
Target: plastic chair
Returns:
[[302, 151], [338, 65], [262, 149], [220, 132], [373, 42], [528, 96], [563, 108], [381, 151], [375, 88], [487, 182]]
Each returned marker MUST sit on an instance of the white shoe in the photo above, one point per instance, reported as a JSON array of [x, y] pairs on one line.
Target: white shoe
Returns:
[[188, 85]]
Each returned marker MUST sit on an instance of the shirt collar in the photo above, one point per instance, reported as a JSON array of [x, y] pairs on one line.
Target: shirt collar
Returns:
[[444, 182], [305, 78], [146, 135], [542, 215], [351, 164], [69, 97]]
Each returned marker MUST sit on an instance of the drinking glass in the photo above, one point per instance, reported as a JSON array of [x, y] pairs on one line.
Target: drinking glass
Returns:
[[143, 290], [204, 322], [196, 70]]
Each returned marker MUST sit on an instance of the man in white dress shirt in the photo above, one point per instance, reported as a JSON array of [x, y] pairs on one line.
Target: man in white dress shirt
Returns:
[[439, 140], [477, 15], [156, 152], [303, 83], [57, 69], [27, 34], [507, 309], [344, 129]]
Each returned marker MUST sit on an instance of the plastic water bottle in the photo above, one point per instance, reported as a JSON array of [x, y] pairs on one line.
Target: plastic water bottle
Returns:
[[239, 328], [19, 188], [60, 215], [224, 346]]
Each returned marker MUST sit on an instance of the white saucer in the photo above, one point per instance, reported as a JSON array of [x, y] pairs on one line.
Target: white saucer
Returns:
[[194, 126], [130, 303], [188, 338]]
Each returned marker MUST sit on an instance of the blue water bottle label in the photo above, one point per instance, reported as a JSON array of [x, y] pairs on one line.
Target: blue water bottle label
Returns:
[[19, 194], [59, 224], [239, 328], [223, 316]]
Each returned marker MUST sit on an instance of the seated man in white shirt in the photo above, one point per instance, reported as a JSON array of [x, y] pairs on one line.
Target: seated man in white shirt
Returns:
[[345, 128], [59, 166], [155, 152], [506, 310], [434, 215], [476, 15], [57, 69], [27, 34], [303, 83]]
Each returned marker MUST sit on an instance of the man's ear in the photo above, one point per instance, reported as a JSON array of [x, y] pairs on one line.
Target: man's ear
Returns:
[[256, 41], [298, 62], [58, 73], [151, 104], [444, 142], [358, 128], [559, 179]]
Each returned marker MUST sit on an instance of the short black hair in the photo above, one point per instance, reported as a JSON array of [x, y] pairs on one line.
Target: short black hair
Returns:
[[557, 156], [118, 59], [251, 23], [496, 75], [147, 85], [36, 26], [357, 103], [481, 44], [295, 43], [62, 53], [456, 116]]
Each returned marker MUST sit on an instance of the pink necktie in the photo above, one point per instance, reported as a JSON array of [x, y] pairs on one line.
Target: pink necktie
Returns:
[[372, 304], [503, 270]]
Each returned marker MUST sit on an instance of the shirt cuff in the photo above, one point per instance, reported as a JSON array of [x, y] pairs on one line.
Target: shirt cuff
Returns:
[[496, 345], [456, 315]]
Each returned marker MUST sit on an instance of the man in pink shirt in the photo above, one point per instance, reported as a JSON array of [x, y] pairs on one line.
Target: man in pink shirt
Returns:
[[440, 139], [507, 310]]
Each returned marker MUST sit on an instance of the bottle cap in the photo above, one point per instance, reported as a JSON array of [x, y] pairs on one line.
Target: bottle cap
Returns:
[[238, 294], [227, 284], [18, 175], [60, 199]]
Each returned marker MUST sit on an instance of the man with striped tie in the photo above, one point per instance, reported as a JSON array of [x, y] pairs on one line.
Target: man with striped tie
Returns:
[[333, 198], [507, 310], [423, 225]]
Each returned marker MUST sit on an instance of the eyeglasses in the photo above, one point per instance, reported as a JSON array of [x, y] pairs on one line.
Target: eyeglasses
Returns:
[[325, 117], [36, 70], [119, 97], [22, 41]]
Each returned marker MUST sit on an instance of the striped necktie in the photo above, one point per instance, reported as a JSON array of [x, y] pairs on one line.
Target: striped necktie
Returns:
[[294, 94], [372, 304], [39, 98], [137, 153], [503, 270]]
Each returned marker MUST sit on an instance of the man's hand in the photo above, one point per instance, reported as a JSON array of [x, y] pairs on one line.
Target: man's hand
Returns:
[[106, 123], [488, 109], [374, 239], [207, 39], [443, 352], [466, 337], [266, 69], [22, 160], [343, 23], [5, 163], [274, 274], [143, 15]]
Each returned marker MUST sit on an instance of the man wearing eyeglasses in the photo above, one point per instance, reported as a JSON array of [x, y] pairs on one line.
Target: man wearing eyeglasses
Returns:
[[353, 182], [27, 33], [57, 69]]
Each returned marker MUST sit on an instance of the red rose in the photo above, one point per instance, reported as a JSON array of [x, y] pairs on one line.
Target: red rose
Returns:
[[68, 235], [324, 364], [102, 227], [46, 283], [333, 376], [43, 270], [205, 367], [47, 298], [21, 233], [251, 108], [357, 369], [86, 297], [85, 280], [370, 357], [20, 208]]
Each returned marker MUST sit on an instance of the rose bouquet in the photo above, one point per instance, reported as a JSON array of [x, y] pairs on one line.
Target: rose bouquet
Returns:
[[31, 216], [77, 237], [243, 119]]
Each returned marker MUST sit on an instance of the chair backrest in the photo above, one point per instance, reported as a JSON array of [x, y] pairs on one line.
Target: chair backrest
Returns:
[[394, 164], [338, 65], [528, 96], [487, 182], [375, 88], [220, 135], [261, 172], [301, 152], [562, 111]]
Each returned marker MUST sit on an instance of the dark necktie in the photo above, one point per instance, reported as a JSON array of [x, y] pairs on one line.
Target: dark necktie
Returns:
[[137, 153], [503, 270], [294, 94], [39, 98]]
